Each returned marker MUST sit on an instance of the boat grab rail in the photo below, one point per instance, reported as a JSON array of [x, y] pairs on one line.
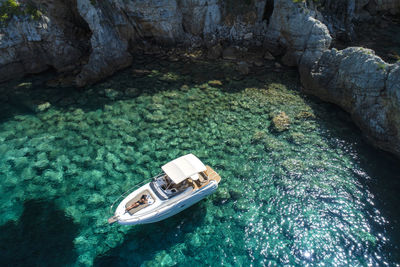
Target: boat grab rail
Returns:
[[123, 195]]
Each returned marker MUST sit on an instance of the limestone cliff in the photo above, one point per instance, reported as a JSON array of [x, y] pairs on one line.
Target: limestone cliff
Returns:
[[100, 34], [32, 45], [92, 39], [365, 86]]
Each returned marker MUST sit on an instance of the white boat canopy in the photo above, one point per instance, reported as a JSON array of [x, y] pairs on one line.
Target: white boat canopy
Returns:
[[183, 167]]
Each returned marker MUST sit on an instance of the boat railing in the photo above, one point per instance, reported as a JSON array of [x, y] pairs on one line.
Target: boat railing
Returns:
[[138, 217], [130, 190]]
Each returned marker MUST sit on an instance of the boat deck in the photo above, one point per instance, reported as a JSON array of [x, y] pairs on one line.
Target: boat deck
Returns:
[[211, 174]]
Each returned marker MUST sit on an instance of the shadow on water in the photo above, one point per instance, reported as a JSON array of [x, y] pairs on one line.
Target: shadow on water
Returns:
[[43, 236], [148, 75], [143, 242], [384, 170]]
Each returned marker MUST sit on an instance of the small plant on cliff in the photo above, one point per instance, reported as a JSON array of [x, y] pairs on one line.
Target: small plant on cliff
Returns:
[[11, 8], [32, 11], [8, 9], [381, 66]]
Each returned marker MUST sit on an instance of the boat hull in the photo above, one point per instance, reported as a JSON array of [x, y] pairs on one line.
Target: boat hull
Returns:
[[161, 210]]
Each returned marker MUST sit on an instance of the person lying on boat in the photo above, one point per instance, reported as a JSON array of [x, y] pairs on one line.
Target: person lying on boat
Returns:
[[143, 200]]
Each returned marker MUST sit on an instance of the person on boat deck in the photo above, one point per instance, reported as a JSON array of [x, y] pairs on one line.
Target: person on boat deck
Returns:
[[143, 200]]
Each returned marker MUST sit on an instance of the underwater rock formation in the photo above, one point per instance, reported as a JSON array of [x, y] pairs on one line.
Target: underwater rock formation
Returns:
[[281, 122]]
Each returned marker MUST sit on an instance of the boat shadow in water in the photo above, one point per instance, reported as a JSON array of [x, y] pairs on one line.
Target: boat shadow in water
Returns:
[[144, 242], [43, 236]]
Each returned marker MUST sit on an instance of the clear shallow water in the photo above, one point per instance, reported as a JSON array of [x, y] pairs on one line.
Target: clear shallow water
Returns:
[[315, 194]]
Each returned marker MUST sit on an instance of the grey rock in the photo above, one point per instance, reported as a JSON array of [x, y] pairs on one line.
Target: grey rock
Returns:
[[374, 6], [365, 86], [281, 122], [214, 52], [268, 56], [44, 106], [132, 92], [291, 27], [230, 53], [248, 36], [258, 62], [289, 59], [109, 50], [111, 93], [243, 68]]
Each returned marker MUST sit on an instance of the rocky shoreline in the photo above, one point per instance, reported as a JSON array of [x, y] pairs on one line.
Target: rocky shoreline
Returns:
[[87, 41]]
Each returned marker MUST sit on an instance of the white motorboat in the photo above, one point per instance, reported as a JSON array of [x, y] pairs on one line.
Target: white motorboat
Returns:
[[183, 182]]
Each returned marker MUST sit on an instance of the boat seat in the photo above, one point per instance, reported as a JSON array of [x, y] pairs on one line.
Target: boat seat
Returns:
[[203, 178], [136, 199]]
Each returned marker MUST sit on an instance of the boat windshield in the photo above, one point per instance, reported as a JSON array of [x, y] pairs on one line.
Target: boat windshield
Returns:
[[166, 188]]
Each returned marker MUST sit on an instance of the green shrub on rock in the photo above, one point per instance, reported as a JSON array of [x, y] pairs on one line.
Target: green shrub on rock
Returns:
[[8, 9], [11, 8]]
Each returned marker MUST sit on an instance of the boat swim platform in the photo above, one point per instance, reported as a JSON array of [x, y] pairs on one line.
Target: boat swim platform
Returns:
[[212, 175], [201, 182]]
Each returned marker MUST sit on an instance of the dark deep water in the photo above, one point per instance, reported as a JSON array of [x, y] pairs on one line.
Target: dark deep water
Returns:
[[311, 195]]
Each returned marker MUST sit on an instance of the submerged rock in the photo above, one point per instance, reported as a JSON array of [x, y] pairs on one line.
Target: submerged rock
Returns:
[[241, 205], [268, 56], [43, 107], [293, 166], [258, 137], [132, 92], [305, 115], [214, 52], [298, 138], [223, 194], [111, 93], [243, 68], [281, 122], [258, 62], [215, 83], [230, 53], [41, 163], [35, 106]]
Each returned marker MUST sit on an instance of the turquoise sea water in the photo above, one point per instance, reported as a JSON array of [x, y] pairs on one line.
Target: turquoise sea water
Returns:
[[315, 194]]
